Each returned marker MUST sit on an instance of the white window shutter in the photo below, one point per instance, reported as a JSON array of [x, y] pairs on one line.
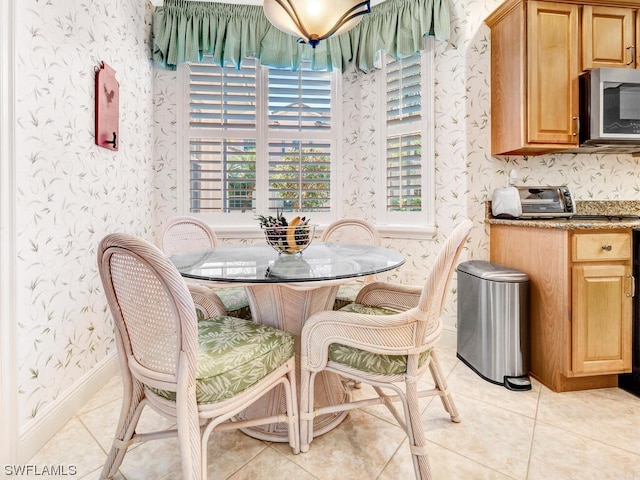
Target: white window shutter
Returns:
[[404, 134], [228, 139]]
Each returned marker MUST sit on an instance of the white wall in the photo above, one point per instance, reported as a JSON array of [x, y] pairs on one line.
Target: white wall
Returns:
[[70, 193]]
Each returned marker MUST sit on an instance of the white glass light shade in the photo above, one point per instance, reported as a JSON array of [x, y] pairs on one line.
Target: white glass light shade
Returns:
[[315, 20]]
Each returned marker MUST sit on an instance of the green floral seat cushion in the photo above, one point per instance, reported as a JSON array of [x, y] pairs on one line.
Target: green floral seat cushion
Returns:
[[235, 301], [367, 309], [233, 355], [367, 361], [347, 294]]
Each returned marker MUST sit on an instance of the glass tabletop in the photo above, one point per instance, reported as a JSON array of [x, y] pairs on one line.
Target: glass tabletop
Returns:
[[262, 264]]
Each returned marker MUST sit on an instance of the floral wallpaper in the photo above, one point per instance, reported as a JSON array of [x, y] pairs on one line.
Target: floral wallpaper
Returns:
[[70, 192], [165, 136], [466, 173]]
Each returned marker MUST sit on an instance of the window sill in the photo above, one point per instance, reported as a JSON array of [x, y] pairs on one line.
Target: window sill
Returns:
[[407, 231], [386, 231]]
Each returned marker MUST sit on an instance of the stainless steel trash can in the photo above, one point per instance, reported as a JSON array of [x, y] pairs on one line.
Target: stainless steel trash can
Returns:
[[493, 322]]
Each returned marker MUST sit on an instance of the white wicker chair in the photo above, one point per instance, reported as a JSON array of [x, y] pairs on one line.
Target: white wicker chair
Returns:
[[351, 230], [188, 234], [163, 350], [371, 342]]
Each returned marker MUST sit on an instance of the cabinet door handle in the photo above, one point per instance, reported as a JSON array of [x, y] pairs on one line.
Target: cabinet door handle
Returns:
[[576, 120], [606, 247], [633, 285], [632, 49]]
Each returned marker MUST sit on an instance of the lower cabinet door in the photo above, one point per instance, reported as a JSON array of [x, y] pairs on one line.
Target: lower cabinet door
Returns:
[[601, 319]]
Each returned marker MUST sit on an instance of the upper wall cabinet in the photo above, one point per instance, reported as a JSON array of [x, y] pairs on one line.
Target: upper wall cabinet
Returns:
[[534, 77], [609, 37], [538, 49]]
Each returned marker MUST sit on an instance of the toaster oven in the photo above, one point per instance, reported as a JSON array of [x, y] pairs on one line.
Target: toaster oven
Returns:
[[532, 202]]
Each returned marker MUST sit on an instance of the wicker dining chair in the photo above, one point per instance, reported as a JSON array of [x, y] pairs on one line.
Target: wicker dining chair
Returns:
[[351, 230], [183, 357], [378, 341], [188, 234]]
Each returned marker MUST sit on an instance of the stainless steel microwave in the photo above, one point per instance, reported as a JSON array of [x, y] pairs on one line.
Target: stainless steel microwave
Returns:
[[610, 106]]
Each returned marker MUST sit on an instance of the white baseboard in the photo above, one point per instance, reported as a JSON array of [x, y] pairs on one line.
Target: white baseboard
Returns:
[[39, 431], [449, 337]]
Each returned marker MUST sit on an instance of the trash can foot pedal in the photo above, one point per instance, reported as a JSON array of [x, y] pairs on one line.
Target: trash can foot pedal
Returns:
[[518, 383]]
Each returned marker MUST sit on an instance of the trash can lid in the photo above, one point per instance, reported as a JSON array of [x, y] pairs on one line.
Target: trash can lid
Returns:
[[492, 271]]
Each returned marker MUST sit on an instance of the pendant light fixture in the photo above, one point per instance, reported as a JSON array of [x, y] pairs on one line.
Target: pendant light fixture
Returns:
[[315, 20]]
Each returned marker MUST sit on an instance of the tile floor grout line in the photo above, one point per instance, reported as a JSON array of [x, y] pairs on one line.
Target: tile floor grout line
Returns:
[[591, 439], [624, 401], [406, 439], [295, 463], [470, 459], [594, 393], [533, 433], [237, 470], [484, 465], [78, 417]]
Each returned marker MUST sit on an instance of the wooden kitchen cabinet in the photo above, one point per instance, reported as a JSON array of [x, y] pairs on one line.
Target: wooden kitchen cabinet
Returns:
[[580, 301], [534, 77], [609, 37], [600, 293]]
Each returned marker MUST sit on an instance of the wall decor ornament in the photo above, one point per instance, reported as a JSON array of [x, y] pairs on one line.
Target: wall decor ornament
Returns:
[[107, 107]]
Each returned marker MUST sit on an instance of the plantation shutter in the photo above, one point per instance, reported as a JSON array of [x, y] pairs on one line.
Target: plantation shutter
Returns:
[[404, 134], [222, 131], [259, 138], [299, 140]]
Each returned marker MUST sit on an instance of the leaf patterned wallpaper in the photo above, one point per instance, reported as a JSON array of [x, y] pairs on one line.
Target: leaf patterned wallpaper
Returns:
[[70, 193]]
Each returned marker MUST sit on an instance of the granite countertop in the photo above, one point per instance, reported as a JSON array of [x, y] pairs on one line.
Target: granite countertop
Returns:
[[618, 211]]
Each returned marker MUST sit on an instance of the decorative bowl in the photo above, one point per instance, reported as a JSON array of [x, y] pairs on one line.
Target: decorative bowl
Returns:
[[289, 239]]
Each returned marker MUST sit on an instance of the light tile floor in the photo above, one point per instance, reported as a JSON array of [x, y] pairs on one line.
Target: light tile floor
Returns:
[[531, 435]]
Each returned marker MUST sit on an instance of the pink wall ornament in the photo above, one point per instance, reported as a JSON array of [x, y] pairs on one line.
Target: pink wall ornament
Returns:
[[107, 107]]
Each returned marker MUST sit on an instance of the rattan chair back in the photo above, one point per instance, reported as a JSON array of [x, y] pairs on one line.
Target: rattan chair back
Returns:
[[153, 311], [187, 234], [351, 230]]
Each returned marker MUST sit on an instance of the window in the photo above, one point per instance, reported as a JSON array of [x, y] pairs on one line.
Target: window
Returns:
[[222, 142], [259, 140], [407, 196], [299, 141]]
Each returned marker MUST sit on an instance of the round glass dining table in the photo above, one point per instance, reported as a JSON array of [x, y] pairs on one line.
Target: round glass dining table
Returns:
[[258, 264], [283, 291]]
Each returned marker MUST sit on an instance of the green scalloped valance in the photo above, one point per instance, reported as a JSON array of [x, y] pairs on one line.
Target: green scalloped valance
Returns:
[[185, 31]]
